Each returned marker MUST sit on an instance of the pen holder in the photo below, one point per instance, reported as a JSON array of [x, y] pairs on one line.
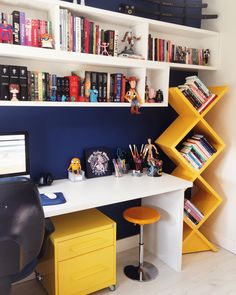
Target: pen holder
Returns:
[[76, 177]]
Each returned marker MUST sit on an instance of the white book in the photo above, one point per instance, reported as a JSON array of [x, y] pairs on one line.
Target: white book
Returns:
[[78, 34]]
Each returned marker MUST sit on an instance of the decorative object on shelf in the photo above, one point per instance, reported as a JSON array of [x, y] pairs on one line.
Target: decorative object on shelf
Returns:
[[155, 168], [47, 41], [159, 96], [98, 162], [104, 46], [130, 39], [14, 90], [206, 56], [132, 96], [138, 158], [123, 158], [75, 173], [5, 32], [93, 95], [188, 129], [82, 2]]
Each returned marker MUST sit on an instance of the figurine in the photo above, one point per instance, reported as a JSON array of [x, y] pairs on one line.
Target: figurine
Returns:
[[104, 47], [5, 32], [75, 166], [206, 55], [130, 39], [82, 2], [132, 96], [47, 41], [93, 95], [151, 95], [148, 150], [155, 168], [159, 96], [14, 89]]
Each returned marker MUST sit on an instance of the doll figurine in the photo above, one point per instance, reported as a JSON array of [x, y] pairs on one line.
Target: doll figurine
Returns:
[[132, 96], [14, 90], [130, 39], [75, 166], [148, 150], [5, 32]]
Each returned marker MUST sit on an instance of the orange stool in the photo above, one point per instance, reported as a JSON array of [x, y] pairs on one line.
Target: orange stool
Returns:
[[145, 271]]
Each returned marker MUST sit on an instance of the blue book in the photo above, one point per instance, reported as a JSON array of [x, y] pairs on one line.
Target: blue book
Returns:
[[49, 199]]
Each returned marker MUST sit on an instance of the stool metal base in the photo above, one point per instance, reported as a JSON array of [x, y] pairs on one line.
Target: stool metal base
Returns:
[[145, 273]]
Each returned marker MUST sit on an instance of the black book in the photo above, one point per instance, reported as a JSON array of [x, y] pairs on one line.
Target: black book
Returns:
[[109, 36], [111, 99], [47, 86], [66, 89], [91, 36], [59, 88], [100, 86], [23, 76], [4, 82], [16, 27], [82, 34], [14, 75], [32, 85], [104, 87]]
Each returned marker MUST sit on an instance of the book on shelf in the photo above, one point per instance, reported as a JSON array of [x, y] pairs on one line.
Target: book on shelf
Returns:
[[197, 150], [166, 51], [192, 212], [197, 93], [26, 31], [80, 34]]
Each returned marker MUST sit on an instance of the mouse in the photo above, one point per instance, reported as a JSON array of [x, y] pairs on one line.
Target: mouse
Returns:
[[51, 196]]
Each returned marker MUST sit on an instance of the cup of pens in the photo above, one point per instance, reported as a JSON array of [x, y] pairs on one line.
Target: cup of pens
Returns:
[[118, 167], [138, 158]]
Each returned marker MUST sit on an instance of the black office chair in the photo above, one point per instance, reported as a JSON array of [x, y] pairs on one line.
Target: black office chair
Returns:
[[23, 231]]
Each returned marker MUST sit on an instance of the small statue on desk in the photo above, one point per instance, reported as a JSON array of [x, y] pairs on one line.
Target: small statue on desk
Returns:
[[155, 165], [75, 166], [133, 97]]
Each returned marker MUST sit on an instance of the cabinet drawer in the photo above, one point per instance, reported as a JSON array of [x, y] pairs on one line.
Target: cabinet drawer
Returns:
[[85, 244], [87, 273]]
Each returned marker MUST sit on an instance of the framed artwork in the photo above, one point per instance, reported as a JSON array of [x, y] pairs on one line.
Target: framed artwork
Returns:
[[98, 162]]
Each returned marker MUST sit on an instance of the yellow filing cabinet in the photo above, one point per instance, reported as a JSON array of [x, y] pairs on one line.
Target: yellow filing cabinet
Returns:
[[81, 255]]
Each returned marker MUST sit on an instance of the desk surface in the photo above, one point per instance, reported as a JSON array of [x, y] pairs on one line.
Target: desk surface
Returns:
[[108, 190]]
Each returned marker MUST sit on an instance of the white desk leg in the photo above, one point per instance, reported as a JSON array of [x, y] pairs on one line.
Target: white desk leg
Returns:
[[164, 238]]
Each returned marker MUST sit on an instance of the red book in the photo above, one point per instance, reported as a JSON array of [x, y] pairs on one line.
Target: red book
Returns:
[[97, 40], [122, 98], [74, 87], [35, 33], [86, 35], [28, 32], [42, 30]]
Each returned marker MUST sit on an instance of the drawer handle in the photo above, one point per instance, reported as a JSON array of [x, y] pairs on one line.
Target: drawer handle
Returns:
[[89, 272], [87, 244]]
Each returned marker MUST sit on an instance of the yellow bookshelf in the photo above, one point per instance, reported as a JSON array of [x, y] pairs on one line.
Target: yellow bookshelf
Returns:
[[204, 197]]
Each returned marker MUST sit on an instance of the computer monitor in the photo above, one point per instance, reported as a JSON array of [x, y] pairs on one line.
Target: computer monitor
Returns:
[[14, 156]]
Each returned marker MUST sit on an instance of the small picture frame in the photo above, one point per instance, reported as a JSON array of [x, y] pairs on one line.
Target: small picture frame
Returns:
[[98, 162]]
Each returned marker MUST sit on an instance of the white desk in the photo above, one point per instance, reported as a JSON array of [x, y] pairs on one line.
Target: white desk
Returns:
[[163, 239]]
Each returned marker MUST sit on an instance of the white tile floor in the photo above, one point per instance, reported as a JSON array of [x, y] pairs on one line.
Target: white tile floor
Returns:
[[203, 274]]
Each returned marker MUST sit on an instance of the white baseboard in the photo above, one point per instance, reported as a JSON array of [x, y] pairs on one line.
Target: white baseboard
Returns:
[[127, 243], [221, 241]]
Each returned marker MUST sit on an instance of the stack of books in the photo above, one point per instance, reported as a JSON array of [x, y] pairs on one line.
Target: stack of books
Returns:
[[79, 34], [197, 150], [26, 31], [197, 93], [192, 212], [165, 50], [118, 87]]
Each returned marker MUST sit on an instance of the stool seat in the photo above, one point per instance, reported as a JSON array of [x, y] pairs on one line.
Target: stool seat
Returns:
[[141, 215]]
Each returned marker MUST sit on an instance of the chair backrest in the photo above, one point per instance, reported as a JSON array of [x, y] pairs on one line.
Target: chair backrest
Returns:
[[21, 225]]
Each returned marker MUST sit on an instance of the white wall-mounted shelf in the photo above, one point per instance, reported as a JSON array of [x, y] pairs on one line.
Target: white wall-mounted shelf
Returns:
[[63, 62]]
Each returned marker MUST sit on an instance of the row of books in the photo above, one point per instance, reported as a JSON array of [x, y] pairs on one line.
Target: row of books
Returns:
[[192, 212], [24, 30], [165, 50], [42, 86], [79, 34], [197, 150], [197, 93]]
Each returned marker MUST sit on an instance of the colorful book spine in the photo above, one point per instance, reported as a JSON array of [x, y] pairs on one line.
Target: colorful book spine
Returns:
[[16, 27], [23, 76], [22, 28], [28, 32], [35, 33]]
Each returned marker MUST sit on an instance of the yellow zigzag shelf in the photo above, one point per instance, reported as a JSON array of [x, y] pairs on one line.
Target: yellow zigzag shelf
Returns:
[[205, 198]]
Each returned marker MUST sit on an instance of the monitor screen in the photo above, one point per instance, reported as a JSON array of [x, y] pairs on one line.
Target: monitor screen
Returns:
[[14, 158]]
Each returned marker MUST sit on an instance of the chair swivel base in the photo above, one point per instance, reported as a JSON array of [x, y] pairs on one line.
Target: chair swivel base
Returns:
[[145, 273]]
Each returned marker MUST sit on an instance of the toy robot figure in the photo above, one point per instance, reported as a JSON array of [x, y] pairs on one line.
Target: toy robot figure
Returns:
[[130, 39], [132, 96], [75, 166], [5, 32]]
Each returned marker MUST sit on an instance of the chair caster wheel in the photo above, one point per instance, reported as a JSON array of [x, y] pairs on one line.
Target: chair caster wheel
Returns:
[[38, 276], [112, 288]]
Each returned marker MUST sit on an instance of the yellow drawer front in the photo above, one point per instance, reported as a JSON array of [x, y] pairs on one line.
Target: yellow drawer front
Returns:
[[85, 244], [87, 273]]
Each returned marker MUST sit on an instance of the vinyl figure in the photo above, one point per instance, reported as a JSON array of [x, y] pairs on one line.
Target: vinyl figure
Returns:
[[14, 90], [5, 32], [206, 55], [132, 96], [104, 47], [93, 95], [47, 41], [130, 40], [75, 166]]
